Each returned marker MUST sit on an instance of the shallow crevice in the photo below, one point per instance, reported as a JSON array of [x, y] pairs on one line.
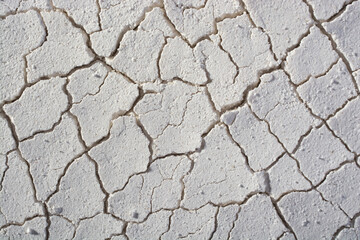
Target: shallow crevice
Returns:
[[351, 225], [215, 223], [332, 204], [338, 13], [21, 223], [101, 184], [233, 223], [241, 149], [333, 44], [130, 28], [281, 216]]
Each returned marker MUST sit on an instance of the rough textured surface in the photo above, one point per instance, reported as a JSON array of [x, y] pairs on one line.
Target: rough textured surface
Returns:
[[24, 33], [312, 58], [320, 152], [86, 196], [32, 229], [96, 111], [285, 181], [284, 31], [116, 161], [274, 101], [249, 49], [323, 11], [175, 117], [346, 125], [45, 100], [349, 199], [109, 225], [311, 216], [49, 153], [220, 174], [64, 48], [268, 223], [344, 31], [327, 94], [172, 119], [252, 134], [152, 191], [17, 202]]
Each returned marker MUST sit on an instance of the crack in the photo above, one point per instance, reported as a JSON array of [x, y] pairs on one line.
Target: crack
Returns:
[[341, 108], [182, 116], [318, 75], [274, 163], [33, 191], [172, 25], [57, 188], [129, 28], [48, 77], [289, 49], [4, 171], [29, 174], [249, 88], [93, 94], [197, 230], [305, 103], [86, 152], [281, 216], [82, 30], [283, 146], [124, 231], [215, 223], [215, 21], [182, 196], [333, 44], [348, 226], [322, 121], [229, 16], [67, 110], [297, 45], [332, 204], [21, 223], [159, 57], [25, 79], [13, 13], [18, 6], [101, 184], [172, 179], [150, 161], [42, 21], [334, 170], [299, 97], [193, 7], [48, 222], [314, 187], [169, 224], [98, 14], [241, 149], [79, 222], [141, 94], [282, 235], [231, 59], [339, 13], [340, 139], [260, 28], [233, 223], [304, 136]]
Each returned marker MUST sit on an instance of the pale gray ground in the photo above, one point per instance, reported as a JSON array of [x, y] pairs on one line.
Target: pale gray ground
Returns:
[[179, 119]]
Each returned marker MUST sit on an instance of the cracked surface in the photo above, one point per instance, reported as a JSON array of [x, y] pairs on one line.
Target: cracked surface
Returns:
[[169, 119]]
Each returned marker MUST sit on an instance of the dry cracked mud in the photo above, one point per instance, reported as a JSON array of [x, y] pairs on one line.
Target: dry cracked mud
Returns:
[[170, 119]]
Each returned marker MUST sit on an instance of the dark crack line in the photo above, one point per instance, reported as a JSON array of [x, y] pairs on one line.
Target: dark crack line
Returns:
[[333, 43]]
